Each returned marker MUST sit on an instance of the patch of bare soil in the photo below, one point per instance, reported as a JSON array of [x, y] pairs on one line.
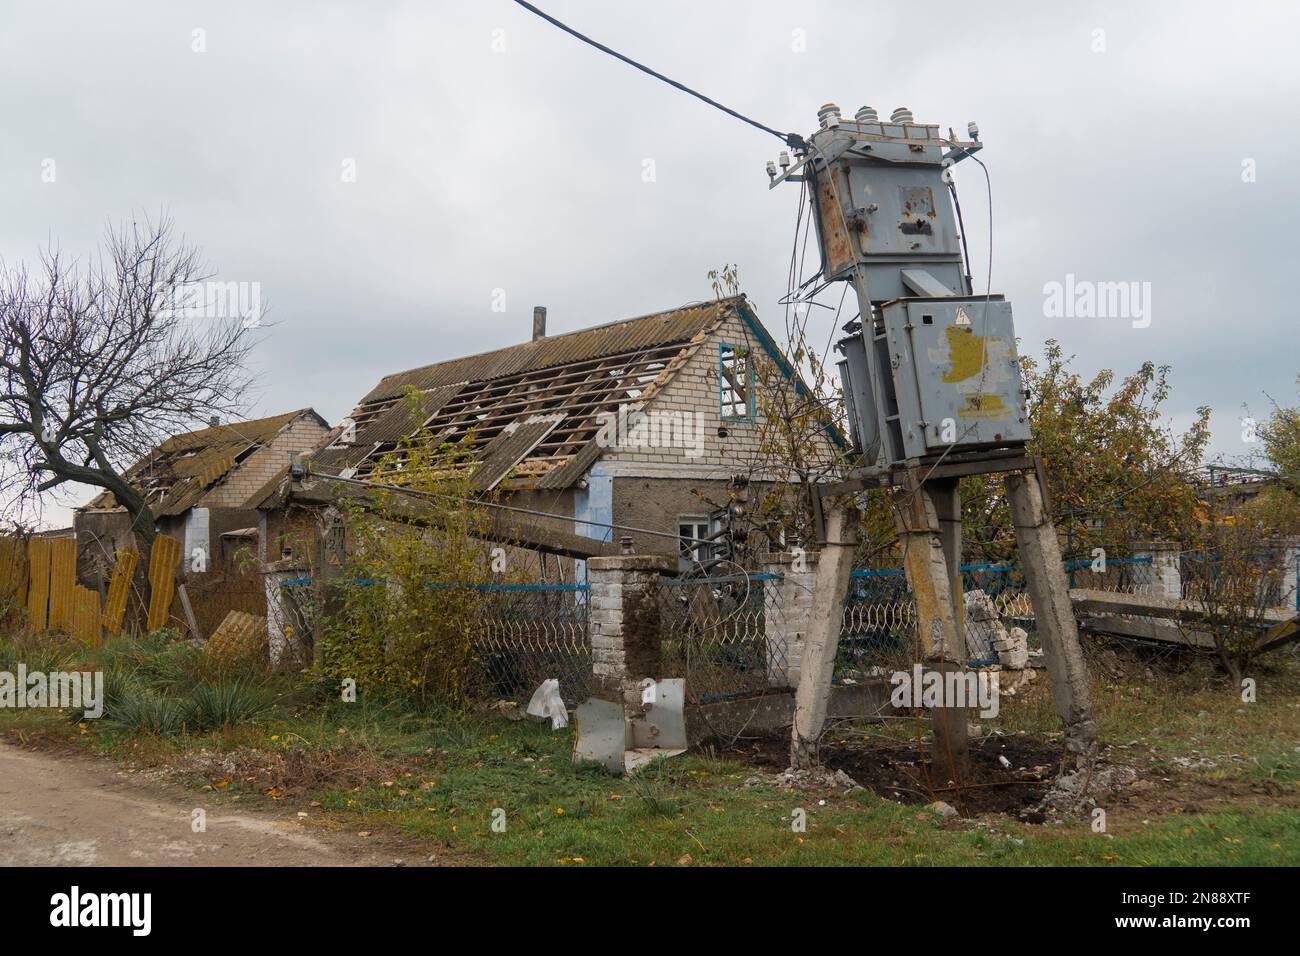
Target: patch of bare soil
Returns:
[[896, 770], [1185, 791], [289, 772]]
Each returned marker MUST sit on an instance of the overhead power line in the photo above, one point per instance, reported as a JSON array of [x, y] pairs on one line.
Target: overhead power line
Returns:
[[793, 140]]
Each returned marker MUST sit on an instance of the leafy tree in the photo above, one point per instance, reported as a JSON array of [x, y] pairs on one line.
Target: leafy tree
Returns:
[[1116, 470], [411, 603], [1278, 504]]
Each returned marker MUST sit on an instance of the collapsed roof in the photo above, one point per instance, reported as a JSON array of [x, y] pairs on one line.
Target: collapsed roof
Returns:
[[176, 475], [529, 411]]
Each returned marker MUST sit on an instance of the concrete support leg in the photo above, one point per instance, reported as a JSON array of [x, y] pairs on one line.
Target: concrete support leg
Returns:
[[1040, 557], [946, 495], [930, 574], [817, 667]]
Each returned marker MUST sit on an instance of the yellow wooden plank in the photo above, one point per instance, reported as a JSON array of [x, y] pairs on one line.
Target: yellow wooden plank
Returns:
[[163, 561], [63, 579], [38, 591], [12, 559], [119, 588], [15, 588], [86, 615]]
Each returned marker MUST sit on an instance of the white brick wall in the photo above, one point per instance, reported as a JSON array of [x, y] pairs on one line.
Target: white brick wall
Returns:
[[695, 389], [303, 434]]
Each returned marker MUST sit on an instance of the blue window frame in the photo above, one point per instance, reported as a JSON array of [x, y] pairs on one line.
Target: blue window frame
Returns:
[[735, 383]]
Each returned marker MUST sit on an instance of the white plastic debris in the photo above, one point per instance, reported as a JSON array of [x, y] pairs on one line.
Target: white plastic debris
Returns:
[[546, 702]]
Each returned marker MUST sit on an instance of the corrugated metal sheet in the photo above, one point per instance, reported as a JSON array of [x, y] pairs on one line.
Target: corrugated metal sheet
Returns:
[[661, 328], [565, 475]]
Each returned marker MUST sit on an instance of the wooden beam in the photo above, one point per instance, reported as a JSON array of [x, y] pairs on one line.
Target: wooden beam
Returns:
[[503, 527], [1088, 601], [947, 469]]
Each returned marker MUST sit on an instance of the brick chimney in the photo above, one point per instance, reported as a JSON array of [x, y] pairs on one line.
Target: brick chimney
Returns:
[[539, 322]]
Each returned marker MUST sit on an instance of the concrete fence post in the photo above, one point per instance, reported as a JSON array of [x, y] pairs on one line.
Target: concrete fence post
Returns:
[[1291, 573], [1166, 574], [623, 623], [1287, 550], [279, 619], [787, 613]]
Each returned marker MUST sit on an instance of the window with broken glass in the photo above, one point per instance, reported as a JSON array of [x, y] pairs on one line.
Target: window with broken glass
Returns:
[[735, 383]]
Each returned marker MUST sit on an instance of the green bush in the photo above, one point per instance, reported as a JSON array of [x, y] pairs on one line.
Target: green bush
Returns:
[[222, 705], [143, 711]]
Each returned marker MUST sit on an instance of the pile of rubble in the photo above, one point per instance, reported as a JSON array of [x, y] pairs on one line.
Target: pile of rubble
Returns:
[[814, 778], [1078, 791], [987, 636]]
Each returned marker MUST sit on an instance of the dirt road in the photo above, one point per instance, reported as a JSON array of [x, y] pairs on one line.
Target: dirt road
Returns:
[[73, 811]]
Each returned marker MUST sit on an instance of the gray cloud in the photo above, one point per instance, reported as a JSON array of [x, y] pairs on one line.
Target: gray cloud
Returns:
[[522, 170]]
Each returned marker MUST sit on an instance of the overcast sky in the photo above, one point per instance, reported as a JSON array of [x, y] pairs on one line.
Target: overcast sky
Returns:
[[493, 152]]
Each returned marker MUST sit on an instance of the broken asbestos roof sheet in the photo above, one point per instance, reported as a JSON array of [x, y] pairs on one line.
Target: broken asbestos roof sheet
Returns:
[[179, 472], [530, 411]]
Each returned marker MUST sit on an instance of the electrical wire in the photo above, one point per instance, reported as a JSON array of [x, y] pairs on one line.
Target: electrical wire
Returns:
[[418, 493], [794, 140]]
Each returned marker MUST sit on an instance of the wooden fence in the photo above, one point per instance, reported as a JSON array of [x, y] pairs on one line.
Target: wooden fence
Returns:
[[40, 575]]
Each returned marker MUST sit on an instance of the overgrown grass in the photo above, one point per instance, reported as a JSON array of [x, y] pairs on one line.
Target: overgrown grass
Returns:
[[1156, 712], [439, 774], [156, 683]]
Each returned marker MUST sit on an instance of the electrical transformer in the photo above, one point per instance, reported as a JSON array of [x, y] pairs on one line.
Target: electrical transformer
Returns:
[[930, 371]]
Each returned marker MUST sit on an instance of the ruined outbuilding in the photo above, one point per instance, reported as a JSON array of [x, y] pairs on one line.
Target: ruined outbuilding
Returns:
[[202, 487]]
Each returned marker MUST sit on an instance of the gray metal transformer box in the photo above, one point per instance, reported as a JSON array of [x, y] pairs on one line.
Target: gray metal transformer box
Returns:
[[930, 370], [948, 380], [881, 206]]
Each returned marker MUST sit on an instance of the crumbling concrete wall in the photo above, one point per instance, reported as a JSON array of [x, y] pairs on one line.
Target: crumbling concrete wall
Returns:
[[624, 624]]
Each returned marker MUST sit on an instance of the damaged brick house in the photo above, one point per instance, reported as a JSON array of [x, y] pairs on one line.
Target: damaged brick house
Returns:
[[640, 423], [202, 487]]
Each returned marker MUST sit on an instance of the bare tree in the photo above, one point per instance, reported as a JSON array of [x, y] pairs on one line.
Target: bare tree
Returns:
[[98, 365], [1234, 581]]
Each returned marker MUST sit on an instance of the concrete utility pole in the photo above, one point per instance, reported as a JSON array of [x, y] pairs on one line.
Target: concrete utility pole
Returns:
[[818, 664], [1040, 555], [933, 392], [933, 570]]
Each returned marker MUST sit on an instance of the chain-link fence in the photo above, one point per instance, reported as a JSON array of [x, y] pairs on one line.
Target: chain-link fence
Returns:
[[727, 635], [879, 631], [1208, 577], [723, 635], [1119, 574], [529, 633]]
